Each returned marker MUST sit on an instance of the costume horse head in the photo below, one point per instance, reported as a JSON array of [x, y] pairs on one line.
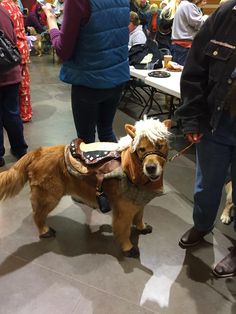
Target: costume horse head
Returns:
[[136, 178], [145, 154]]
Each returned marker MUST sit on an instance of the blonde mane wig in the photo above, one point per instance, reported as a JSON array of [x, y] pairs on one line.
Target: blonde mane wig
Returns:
[[151, 128]]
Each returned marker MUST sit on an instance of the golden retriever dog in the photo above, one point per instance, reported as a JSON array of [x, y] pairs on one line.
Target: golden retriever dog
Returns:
[[56, 171], [228, 208], [37, 44]]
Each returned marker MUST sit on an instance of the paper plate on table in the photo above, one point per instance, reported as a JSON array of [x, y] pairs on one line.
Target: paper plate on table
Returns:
[[174, 67], [159, 74]]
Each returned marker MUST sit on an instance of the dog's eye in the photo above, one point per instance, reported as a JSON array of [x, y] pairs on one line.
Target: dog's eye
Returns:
[[158, 146], [141, 149]]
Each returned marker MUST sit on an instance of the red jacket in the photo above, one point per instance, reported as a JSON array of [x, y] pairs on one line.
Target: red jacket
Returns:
[[13, 76]]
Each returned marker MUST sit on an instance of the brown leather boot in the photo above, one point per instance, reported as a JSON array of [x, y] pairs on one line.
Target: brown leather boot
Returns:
[[227, 266], [192, 237]]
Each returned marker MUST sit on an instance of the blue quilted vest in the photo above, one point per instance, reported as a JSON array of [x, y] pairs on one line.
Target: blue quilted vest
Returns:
[[100, 59]]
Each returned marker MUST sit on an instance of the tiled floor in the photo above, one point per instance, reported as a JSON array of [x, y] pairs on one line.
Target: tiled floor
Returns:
[[82, 271]]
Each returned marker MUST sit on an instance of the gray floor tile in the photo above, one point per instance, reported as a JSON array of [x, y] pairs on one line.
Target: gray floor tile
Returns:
[[28, 289]]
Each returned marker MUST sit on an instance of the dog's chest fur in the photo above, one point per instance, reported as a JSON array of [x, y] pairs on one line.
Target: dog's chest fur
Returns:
[[137, 194]]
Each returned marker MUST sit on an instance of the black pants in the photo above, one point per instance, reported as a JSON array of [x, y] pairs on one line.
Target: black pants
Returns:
[[10, 119], [94, 109]]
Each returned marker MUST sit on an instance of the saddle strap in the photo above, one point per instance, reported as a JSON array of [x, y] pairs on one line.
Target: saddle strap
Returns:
[[108, 167]]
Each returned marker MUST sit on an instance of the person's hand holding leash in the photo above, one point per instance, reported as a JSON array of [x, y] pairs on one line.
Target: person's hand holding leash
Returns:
[[194, 137]]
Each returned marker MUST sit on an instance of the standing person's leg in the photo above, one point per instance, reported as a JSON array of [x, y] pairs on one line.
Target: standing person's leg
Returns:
[[227, 266], [106, 114], [24, 95], [12, 121], [84, 108], [213, 160]]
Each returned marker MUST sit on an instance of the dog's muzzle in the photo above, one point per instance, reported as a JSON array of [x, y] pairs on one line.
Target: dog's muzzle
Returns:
[[152, 170]]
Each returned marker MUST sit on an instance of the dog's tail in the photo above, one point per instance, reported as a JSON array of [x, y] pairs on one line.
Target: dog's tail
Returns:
[[13, 180]]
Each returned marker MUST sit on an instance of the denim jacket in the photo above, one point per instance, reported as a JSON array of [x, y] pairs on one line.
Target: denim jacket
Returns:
[[207, 74]]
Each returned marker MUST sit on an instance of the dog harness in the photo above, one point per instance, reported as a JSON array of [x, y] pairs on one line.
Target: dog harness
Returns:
[[137, 194], [104, 161]]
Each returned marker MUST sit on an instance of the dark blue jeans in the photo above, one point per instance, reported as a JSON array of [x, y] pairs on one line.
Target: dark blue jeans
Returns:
[[179, 54], [10, 119], [94, 109], [215, 154]]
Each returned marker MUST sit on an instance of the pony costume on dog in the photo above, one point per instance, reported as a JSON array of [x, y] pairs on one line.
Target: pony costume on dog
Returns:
[[129, 184]]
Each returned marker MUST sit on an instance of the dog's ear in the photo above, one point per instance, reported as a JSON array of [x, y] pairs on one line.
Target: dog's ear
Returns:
[[130, 129], [168, 123]]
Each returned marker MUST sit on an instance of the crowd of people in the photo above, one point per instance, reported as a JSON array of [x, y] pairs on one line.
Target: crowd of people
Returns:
[[93, 38], [172, 25]]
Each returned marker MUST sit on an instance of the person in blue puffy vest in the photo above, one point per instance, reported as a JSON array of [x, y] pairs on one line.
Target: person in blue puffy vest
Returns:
[[93, 45]]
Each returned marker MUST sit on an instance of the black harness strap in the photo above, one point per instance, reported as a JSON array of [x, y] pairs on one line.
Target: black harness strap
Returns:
[[158, 153]]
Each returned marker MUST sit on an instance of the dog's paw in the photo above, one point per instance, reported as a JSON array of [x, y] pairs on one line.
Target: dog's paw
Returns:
[[225, 219], [51, 233], [133, 252], [146, 230]]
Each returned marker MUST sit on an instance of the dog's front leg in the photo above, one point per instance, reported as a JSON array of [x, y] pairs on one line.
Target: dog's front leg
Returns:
[[138, 222], [123, 215], [226, 214]]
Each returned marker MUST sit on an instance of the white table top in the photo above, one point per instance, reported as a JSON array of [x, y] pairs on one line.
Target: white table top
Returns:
[[140, 74], [169, 85]]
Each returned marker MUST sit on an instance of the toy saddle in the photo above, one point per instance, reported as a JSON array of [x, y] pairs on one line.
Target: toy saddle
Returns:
[[97, 158]]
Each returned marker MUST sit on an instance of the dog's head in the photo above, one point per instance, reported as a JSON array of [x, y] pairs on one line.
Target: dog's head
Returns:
[[150, 146], [31, 30]]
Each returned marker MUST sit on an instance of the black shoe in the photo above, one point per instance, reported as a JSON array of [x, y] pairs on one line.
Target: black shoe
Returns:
[[2, 162], [18, 155], [227, 266], [192, 237]]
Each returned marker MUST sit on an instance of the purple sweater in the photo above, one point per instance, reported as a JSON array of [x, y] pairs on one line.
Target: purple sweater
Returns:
[[33, 19], [76, 14], [13, 76]]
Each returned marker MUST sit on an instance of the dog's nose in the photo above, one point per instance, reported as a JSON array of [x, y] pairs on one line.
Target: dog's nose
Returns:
[[151, 168]]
